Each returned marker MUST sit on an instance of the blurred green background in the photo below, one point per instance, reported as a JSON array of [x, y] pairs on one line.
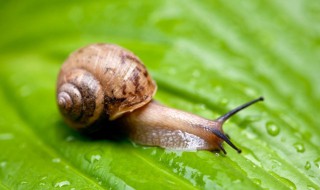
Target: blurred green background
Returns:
[[206, 56]]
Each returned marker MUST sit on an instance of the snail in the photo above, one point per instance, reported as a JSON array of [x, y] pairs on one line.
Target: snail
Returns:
[[102, 82]]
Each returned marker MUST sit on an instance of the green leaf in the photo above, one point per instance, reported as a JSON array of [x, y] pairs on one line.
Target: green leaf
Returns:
[[207, 57]]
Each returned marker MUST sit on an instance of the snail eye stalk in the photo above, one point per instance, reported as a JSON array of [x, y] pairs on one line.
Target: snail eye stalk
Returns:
[[225, 117]]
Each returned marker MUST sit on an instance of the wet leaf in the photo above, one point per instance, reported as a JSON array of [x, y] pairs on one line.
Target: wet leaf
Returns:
[[207, 57]]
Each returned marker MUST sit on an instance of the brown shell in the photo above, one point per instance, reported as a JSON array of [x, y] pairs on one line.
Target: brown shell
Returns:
[[102, 80]]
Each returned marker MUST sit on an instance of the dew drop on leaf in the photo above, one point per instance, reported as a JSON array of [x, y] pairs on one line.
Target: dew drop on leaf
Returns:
[[61, 182], [299, 147], [253, 158], [42, 178], [284, 180], [272, 129], [93, 156], [307, 166]]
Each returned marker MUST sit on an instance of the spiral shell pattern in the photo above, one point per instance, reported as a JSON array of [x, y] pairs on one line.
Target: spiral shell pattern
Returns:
[[102, 81]]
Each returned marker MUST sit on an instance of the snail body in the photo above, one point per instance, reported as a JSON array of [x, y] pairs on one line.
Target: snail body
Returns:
[[106, 82]]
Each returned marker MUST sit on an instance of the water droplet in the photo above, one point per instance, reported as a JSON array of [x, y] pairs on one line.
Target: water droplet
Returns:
[[93, 156], [252, 158], [307, 166], [299, 147], [284, 180], [317, 162], [61, 183], [56, 160], [43, 178], [272, 129]]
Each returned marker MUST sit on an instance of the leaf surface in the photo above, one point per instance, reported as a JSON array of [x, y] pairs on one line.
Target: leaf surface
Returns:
[[207, 58]]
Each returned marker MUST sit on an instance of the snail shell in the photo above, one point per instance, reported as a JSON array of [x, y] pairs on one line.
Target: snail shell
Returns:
[[102, 81]]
